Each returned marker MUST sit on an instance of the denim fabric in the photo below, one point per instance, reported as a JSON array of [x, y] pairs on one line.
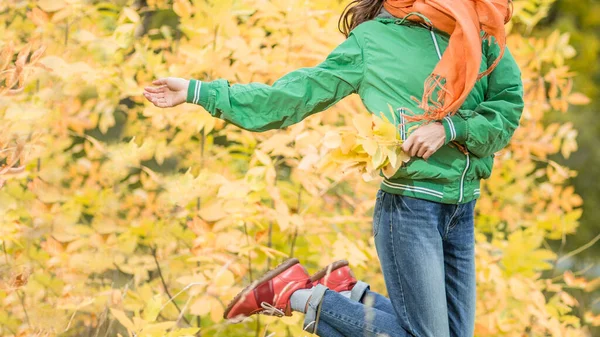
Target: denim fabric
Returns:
[[426, 250]]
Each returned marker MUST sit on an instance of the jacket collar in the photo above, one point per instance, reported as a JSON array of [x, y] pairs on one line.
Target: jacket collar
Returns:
[[384, 14]]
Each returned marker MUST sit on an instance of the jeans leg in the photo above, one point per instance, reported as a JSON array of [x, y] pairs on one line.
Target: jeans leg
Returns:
[[459, 260], [362, 293], [409, 245], [326, 330], [353, 319], [378, 302]]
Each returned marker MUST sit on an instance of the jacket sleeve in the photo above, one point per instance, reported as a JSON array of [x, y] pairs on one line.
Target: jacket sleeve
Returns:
[[489, 127], [290, 99]]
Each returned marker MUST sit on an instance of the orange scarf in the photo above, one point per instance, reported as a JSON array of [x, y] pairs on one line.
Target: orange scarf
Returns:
[[448, 86]]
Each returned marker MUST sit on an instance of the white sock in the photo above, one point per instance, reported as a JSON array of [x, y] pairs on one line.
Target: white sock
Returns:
[[299, 299], [346, 293]]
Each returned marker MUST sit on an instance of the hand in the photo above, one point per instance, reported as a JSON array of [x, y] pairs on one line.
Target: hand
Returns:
[[425, 140], [171, 91]]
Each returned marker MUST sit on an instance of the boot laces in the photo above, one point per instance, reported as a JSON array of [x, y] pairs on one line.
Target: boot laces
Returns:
[[271, 310]]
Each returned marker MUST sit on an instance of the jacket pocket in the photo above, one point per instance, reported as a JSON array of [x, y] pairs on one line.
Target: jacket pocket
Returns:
[[482, 167], [445, 165]]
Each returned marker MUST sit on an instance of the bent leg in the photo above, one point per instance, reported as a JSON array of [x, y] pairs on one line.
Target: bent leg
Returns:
[[361, 292], [351, 318], [378, 301], [326, 330]]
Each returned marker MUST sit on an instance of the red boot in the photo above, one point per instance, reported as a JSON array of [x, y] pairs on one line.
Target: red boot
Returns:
[[270, 295], [336, 276]]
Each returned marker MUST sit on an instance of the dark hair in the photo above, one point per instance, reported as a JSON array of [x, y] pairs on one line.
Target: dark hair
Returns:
[[357, 12]]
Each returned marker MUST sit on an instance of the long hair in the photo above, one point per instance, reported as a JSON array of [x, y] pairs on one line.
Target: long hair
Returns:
[[357, 12]]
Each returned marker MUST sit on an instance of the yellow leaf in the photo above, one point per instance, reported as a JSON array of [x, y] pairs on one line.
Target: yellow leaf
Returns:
[[363, 124], [216, 314], [131, 14], [123, 319], [6, 55], [593, 285], [213, 212], [36, 55], [183, 8], [184, 332], [592, 319], [378, 158], [157, 328], [578, 98], [162, 151], [152, 308], [348, 142], [369, 145], [224, 278], [332, 140], [51, 5], [263, 158], [384, 129], [389, 171], [201, 306]]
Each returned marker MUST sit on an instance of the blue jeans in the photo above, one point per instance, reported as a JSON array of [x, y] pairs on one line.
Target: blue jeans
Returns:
[[426, 250]]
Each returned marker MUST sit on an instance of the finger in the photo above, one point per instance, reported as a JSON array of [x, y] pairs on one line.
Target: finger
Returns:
[[160, 81], [150, 96], [428, 154], [157, 95], [156, 89], [415, 147], [422, 150], [407, 145]]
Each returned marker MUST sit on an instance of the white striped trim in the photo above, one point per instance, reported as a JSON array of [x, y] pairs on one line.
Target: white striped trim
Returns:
[[403, 130], [437, 47], [414, 189], [452, 128], [462, 180], [197, 94]]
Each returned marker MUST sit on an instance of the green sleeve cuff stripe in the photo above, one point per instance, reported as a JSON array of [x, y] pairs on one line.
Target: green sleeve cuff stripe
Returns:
[[451, 128], [455, 127], [193, 94]]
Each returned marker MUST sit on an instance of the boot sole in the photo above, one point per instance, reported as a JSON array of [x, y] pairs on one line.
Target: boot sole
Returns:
[[328, 270], [268, 276]]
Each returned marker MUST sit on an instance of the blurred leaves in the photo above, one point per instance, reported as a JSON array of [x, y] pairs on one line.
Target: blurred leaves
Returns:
[[95, 182]]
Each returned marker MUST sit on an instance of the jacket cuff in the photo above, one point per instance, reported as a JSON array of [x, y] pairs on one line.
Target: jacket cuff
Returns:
[[197, 92], [193, 92], [455, 127]]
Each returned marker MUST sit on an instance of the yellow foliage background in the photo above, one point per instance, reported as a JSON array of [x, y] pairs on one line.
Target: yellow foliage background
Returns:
[[117, 217]]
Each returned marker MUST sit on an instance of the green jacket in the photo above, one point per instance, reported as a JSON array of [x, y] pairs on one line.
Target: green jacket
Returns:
[[386, 61]]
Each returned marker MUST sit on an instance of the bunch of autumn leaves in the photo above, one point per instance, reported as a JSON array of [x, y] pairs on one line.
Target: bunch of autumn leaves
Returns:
[[374, 146]]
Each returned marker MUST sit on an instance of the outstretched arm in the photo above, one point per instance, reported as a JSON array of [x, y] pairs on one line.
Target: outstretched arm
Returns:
[[261, 107], [489, 127]]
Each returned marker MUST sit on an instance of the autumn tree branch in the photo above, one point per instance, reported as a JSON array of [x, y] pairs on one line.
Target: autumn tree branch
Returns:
[[162, 279]]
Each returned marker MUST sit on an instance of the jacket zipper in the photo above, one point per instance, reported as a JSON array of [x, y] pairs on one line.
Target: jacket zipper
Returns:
[[465, 151]]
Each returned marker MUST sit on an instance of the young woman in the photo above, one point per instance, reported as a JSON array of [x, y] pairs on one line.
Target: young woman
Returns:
[[471, 100]]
